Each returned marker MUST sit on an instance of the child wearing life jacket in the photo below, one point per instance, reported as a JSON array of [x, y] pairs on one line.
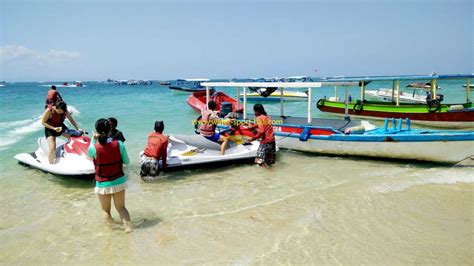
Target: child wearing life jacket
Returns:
[[266, 153], [53, 122], [114, 132], [52, 97], [109, 156], [155, 150], [207, 127]]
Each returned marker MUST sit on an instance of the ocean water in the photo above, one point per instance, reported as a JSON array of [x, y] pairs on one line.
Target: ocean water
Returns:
[[306, 209]]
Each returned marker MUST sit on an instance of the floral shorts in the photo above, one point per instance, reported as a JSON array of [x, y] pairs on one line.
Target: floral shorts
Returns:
[[150, 167]]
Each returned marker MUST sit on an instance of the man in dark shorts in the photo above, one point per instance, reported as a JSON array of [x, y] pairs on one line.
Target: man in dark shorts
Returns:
[[53, 122]]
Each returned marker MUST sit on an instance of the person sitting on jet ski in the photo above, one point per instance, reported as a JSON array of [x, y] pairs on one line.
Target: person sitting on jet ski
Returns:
[[207, 128], [155, 151], [53, 97], [53, 122]]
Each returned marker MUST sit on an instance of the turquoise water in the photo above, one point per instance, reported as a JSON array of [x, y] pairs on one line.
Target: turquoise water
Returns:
[[306, 209]]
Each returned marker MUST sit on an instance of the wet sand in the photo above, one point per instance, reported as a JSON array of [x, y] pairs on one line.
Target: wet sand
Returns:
[[307, 209]]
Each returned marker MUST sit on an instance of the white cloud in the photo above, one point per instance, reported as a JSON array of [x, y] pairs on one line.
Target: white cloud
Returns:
[[19, 53]]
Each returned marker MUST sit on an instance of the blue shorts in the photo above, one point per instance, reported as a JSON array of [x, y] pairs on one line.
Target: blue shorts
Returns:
[[214, 138]]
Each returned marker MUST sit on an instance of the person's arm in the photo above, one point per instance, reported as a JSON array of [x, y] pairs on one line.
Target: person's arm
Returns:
[[260, 130], [91, 152], [164, 153], [73, 122], [120, 136], [123, 153], [59, 96]]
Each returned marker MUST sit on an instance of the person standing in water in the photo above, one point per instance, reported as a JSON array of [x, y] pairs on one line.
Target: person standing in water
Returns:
[[53, 122], [266, 153], [53, 97], [109, 156], [208, 124], [155, 150], [114, 132]]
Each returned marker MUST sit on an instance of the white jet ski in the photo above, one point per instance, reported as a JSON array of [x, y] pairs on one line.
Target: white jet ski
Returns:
[[71, 157], [193, 150]]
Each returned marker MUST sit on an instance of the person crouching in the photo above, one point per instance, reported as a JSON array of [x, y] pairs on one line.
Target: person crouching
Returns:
[[155, 151]]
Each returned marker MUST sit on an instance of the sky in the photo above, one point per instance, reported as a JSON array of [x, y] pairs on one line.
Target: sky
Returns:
[[59, 40]]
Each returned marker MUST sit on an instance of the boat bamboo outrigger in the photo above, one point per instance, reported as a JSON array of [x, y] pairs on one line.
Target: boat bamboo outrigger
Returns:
[[432, 113], [357, 138]]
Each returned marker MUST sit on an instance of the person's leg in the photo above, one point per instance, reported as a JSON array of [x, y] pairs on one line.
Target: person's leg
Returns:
[[119, 202], [51, 148], [224, 141], [105, 203]]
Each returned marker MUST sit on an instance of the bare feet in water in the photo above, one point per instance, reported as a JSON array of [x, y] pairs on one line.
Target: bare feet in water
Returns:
[[128, 227]]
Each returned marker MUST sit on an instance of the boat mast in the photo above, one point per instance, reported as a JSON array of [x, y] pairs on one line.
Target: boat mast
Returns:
[[468, 89], [310, 118], [281, 101], [393, 89], [397, 82], [362, 91]]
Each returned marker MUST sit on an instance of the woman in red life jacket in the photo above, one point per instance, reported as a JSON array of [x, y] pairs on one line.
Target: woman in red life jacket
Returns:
[[53, 122], [266, 153], [155, 150], [109, 155], [207, 128], [53, 97]]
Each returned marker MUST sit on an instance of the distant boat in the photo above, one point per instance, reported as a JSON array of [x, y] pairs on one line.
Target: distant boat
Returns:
[[385, 94], [165, 83], [66, 85], [423, 85], [3, 84], [197, 101], [188, 85], [471, 86]]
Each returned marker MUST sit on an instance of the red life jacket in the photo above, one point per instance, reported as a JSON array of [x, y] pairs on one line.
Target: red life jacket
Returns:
[[55, 120], [206, 127], [108, 161], [155, 144]]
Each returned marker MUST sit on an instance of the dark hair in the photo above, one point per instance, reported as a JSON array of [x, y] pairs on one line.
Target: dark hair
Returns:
[[113, 121], [258, 108], [102, 126], [159, 126], [212, 105], [61, 105], [53, 87]]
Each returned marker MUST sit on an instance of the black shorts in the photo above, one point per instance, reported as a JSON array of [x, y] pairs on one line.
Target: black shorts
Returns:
[[51, 132]]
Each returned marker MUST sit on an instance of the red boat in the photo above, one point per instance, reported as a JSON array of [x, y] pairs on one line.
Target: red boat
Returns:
[[197, 101]]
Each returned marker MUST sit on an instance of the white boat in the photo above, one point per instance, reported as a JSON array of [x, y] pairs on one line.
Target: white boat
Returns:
[[71, 157], [260, 95], [193, 150], [388, 95]]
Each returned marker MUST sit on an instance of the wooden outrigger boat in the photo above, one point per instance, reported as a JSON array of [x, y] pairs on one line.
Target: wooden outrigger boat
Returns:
[[433, 113], [357, 138]]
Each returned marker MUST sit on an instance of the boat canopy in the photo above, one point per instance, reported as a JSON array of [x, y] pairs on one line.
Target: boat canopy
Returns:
[[402, 77], [281, 85]]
